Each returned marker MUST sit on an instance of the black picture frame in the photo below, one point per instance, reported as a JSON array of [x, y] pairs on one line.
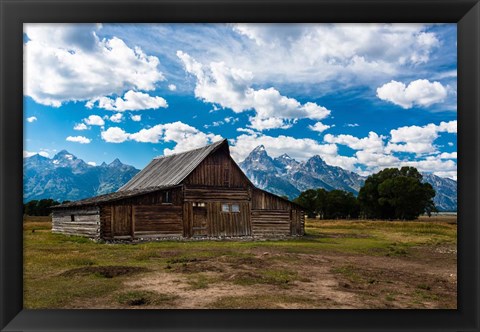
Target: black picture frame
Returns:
[[466, 13]]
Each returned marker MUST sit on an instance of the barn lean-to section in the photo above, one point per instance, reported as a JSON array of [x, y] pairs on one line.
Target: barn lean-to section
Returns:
[[195, 194]]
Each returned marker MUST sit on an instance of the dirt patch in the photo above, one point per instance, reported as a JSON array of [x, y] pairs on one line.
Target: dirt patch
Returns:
[[398, 282], [104, 271]]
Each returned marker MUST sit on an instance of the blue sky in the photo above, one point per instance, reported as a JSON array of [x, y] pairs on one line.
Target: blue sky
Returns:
[[362, 96]]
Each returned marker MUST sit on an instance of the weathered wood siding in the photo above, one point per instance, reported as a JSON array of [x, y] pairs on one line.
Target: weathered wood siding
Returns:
[[217, 223], [158, 220], [297, 226], [86, 221], [106, 222], [205, 194], [218, 170], [153, 198], [262, 200], [270, 223], [273, 216]]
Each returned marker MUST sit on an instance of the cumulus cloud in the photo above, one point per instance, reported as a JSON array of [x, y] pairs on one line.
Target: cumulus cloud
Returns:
[[418, 140], [94, 120], [79, 139], [447, 155], [185, 136], [231, 88], [373, 143], [319, 52], [172, 87], [80, 66], [114, 135], [319, 127], [31, 119], [418, 93], [80, 126], [116, 117], [136, 118], [131, 101]]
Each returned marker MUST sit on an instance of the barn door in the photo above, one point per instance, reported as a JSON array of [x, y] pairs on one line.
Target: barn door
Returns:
[[199, 225], [122, 220]]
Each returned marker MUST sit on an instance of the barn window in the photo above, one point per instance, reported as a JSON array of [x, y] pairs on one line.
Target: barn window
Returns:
[[199, 204], [225, 208], [235, 208], [166, 197], [72, 217]]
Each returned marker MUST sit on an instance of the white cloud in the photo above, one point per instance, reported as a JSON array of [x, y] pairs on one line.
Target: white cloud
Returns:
[[450, 174], [418, 140], [94, 120], [116, 117], [79, 139], [446, 155], [352, 125], [80, 126], [418, 93], [450, 143], [31, 119], [297, 148], [317, 53], [185, 136], [230, 119], [433, 165], [92, 163], [80, 66], [114, 135], [172, 87], [231, 88], [373, 143], [132, 101], [136, 118], [319, 127], [27, 154]]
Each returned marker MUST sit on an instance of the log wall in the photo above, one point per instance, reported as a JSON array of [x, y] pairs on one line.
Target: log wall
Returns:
[[270, 223], [158, 221], [262, 200], [86, 221]]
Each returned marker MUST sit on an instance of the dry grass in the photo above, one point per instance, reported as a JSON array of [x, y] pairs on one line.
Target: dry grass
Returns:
[[338, 264]]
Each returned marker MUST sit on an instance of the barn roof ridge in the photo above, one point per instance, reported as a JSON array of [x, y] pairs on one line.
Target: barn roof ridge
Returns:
[[192, 150]]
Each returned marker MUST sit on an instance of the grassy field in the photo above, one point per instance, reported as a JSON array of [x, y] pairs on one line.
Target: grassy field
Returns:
[[338, 264]]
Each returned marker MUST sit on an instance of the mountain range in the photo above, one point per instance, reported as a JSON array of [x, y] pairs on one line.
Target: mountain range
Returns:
[[285, 176], [66, 177]]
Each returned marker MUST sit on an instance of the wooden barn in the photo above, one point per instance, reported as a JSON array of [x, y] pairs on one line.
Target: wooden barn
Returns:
[[198, 193]]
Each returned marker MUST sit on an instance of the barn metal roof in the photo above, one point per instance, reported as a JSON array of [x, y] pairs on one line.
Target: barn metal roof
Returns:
[[171, 170], [112, 197]]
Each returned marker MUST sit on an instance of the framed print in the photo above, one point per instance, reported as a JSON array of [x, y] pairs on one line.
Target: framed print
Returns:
[[217, 165]]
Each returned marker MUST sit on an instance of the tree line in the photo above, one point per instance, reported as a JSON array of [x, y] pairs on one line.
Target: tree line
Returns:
[[389, 194], [40, 207]]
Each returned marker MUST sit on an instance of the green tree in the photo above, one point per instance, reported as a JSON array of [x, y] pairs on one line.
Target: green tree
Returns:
[[341, 204], [396, 194], [307, 199], [39, 207]]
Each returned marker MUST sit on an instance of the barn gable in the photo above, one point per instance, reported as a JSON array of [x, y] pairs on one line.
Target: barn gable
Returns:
[[171, 170]]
